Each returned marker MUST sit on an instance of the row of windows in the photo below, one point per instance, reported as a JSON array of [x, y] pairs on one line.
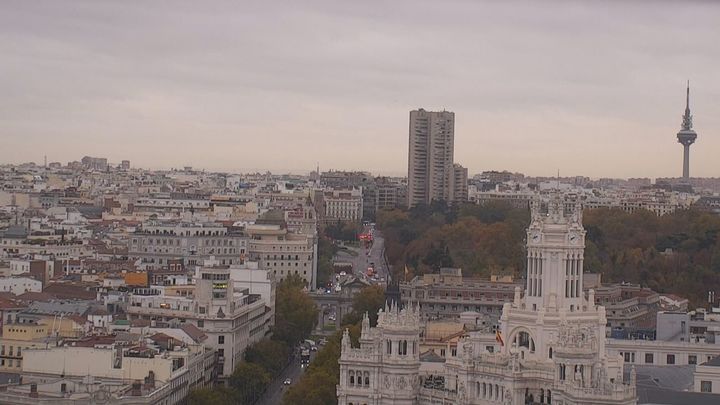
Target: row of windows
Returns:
[[463, 295], [176, 242], [274, 247], [402, 347], [282, 272], [289, 257], [193, 250], [274, 264], [11, 363], [23, 331], [10, 350], [479, 308], [489, 391], [629, 357], [359, 378]]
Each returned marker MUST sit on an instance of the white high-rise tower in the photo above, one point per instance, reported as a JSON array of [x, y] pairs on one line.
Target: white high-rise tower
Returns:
[[431, 150]]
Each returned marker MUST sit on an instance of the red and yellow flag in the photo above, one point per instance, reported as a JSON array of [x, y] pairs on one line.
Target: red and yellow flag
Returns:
[[498, 338]]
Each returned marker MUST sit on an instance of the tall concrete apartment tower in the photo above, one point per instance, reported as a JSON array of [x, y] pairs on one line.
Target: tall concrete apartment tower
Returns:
[[686, 136], [430, 156]]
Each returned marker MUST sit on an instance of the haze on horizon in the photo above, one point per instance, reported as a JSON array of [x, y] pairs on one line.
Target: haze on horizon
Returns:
[[589, 88]]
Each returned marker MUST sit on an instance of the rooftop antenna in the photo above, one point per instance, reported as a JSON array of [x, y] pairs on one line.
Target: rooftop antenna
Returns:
[[558, 179]]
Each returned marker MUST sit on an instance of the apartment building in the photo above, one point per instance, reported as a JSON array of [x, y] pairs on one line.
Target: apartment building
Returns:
[[230, 316], [111, 372], [430, 156], [447, 294], [282, 252], [628, 306], [343, 205], [17, 338], [158, 244], [460, 184]]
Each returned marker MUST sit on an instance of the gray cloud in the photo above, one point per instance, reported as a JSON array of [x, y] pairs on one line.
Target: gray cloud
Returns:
[[591, 88]]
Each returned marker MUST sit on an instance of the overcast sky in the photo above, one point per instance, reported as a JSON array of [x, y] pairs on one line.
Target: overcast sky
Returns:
[[590, 88]]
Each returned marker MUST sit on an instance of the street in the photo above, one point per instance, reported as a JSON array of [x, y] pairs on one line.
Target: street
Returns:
[[276, 389], [365, 257]]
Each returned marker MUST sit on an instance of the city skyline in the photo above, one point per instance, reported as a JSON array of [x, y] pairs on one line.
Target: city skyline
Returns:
[[282, 88]]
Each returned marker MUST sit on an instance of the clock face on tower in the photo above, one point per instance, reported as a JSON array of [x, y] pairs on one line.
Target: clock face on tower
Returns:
[[535, 237], [573, 238]]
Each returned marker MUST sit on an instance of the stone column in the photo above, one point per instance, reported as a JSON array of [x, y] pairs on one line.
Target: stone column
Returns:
[[321, 319]]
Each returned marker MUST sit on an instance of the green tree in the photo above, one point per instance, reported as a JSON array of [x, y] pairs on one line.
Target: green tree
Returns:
[[370, 299], [271, 355], [295, 312], [212, 396], [326, 252], [317, 385], [249, 382]]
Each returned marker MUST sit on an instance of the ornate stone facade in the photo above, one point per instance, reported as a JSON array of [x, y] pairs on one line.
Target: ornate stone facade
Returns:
[[553, 334]]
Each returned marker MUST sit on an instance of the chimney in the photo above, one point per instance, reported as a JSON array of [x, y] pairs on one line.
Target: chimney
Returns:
[[150, 380], [136, 390]]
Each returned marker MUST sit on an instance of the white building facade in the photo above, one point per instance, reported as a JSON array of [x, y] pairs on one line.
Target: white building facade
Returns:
[[553, 338], [231, 316], [20, 285]]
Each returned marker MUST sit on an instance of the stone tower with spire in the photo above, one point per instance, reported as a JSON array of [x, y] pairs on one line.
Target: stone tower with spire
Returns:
[[551, 348], [687, 135], [384, 369]]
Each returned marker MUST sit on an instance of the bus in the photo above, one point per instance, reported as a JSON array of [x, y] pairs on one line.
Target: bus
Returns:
[[305, 357]]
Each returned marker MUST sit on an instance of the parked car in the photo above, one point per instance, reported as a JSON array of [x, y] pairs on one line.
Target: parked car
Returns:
[[287, 381]]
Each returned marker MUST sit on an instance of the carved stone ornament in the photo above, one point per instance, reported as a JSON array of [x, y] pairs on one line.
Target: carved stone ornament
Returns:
[[401, 383]]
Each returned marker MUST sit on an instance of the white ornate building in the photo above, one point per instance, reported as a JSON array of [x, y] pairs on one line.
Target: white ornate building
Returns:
[[554, 340]]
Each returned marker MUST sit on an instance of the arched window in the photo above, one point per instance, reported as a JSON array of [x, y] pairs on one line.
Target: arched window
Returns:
[[523, 339], [484, 390], [550, 353], [367, 379], [352, 378], [389, 347]]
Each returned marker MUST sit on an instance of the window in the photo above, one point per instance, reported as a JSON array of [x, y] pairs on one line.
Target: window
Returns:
[[221, 339], [705, 386], [648, 358], [670, 359], [692, 359], [200, 323]]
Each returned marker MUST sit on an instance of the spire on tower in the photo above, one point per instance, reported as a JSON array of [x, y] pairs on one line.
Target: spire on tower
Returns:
[[687, 118]]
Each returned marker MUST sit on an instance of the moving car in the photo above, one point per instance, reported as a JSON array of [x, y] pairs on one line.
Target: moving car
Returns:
[[287, 381]]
